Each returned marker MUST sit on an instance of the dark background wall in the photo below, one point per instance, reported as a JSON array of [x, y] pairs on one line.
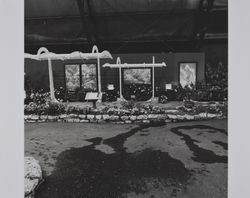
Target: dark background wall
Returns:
[[37, 71]]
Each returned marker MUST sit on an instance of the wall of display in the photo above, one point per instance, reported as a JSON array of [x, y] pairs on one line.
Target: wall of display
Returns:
[[70, 74]]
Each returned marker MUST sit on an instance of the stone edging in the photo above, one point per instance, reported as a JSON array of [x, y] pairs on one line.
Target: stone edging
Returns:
[[122, 119]]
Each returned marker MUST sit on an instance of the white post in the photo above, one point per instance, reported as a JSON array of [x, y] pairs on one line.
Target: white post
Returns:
[[118, 61], [95, 50], [51, 81], [153, 79]]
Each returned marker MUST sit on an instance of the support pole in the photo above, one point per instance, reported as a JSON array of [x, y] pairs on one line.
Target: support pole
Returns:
[[95, 50], [51, 81], [153, 79], [118, 61]]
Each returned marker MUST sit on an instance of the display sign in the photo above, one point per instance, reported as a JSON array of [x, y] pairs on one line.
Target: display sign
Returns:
[[168, 86], [92, 96], [187, 74], [137, 76], [110, 87]]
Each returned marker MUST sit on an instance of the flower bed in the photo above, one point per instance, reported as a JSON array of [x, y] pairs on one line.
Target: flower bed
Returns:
[[43, 110]]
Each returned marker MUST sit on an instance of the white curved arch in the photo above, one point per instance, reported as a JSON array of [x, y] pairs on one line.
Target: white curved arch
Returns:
[[42, 50], [118, 60], [95, 49]]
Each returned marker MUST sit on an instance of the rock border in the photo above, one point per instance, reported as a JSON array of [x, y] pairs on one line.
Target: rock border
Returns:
[[120, 119]]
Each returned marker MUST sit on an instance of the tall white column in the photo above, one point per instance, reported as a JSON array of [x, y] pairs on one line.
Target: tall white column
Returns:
[[118, 61], [51, 81], [153, 78], [95, 50]]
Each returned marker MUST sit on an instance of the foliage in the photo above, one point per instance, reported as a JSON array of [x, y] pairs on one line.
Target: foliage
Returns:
[[54, 108], [140, 92], [213, 108], [163, 99], [128, 104], [41, 104]]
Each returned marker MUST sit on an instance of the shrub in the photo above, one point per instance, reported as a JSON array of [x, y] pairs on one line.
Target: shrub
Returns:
[[30, 108], [41, 104], [54, 108], [128, 104], [163, 99]]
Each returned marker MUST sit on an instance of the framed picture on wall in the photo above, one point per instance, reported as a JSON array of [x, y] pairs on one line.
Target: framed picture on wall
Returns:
[[72, 76], [187, 73], [137, 76], [89, 76]]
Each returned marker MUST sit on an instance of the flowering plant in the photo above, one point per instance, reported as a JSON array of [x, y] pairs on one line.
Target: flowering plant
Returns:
[[41, 104]]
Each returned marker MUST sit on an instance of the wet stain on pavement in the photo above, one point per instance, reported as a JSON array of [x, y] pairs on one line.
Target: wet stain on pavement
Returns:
[[200, 154], [222, 144], [87, 172]]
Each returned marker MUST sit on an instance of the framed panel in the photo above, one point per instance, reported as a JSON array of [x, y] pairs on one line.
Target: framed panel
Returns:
[[141, 76], [72, 77], [187, 73], [89, 76]]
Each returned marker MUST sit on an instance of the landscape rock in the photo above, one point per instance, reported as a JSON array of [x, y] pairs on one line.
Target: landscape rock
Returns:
[[70, 120], [32, 175], [52, 118], [98, 117], [133, 118], [124, 117], [72, 115], [142, 117], [211, 115], [105, 117], [43, 117], [189, 117], [171, 111], [90, 117], [152, 116], [82, 116], [172, 117], [203, 115], [34, 117], [113, 118], [63, 116], [84, 121]]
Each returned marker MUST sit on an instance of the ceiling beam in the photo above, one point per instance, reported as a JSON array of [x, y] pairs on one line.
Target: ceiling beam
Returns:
[[85, 25]]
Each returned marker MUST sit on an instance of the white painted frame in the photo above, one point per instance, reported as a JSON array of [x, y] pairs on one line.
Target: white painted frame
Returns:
[[44, 54], [136, 65]]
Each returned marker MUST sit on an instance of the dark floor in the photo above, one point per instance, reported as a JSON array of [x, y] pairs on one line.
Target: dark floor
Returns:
[[185, 160]]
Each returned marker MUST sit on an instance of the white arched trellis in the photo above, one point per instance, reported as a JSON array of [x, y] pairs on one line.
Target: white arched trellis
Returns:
[[44, 54], [136, 65]]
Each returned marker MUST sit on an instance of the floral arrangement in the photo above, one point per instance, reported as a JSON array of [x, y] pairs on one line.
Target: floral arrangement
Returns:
[[137, 92], [41, 104]]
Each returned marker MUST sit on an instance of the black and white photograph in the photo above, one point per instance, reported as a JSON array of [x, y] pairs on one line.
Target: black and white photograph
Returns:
[[125, 99]]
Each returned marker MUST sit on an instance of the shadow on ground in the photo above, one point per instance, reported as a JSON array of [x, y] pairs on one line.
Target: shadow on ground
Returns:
[[88, 172]]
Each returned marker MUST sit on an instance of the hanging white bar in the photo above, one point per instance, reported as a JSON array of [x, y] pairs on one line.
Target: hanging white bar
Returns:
[[136, 65]]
